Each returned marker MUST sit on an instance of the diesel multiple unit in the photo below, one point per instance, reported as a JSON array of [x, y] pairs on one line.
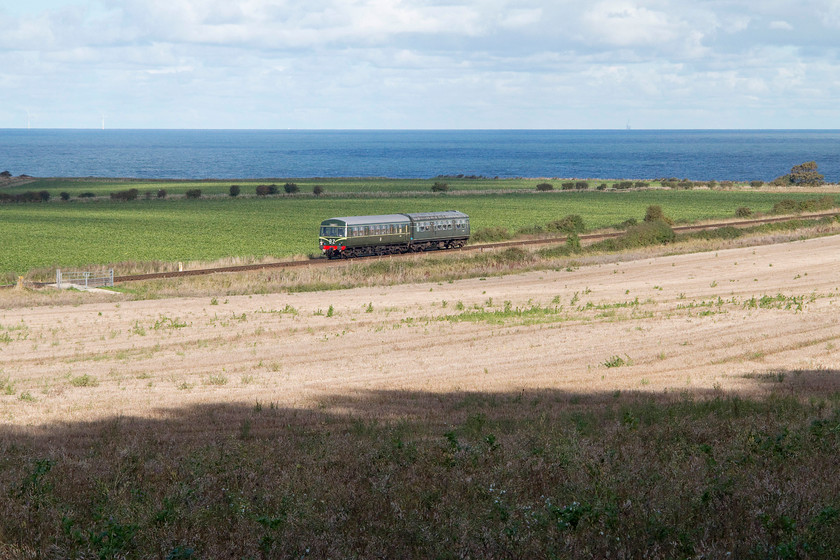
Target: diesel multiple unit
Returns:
[[356, 236]]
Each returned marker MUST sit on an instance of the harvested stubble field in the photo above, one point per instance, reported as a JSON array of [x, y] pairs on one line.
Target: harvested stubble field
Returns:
[[668, 407]]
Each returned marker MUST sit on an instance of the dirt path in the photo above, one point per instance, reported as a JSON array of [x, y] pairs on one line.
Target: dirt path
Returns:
[[706, 320]]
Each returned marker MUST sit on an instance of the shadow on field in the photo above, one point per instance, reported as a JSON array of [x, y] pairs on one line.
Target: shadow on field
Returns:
[[211, 422], [402, 474]]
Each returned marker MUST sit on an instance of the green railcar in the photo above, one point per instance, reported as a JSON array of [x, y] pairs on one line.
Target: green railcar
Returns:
[[356, 236]]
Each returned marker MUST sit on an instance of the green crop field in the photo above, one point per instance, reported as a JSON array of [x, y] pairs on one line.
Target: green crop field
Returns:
[[103, 232]]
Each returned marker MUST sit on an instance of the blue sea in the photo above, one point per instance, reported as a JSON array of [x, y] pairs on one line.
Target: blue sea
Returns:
[[243, 154]]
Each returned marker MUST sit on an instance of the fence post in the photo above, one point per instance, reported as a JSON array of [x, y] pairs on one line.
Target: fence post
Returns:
[[58, 278], [111, 279]]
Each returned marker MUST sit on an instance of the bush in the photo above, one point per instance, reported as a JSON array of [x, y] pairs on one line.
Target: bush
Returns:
[[545, 187], [756, 184], [130, 194], [290, 188], [234, 190], [87, 195], [581, 185], [743, 212], [65, 196], [726, 232], [193, 193], [641, 235], [570, 224], [490, 234], [264, 190], [161, 193], [440, 187], [567, 186], [622, 185], [654, 213], [573, 243], [790, 206], [601, 187], [317, 190], [28, 196], [802, 174]]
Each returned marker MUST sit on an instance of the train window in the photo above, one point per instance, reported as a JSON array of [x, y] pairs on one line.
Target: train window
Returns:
[[332, 231]]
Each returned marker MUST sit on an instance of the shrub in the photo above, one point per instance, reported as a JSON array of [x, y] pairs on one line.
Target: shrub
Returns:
[[785, 206], [654, 213], [490, 234], [567, 186], [756, 184], [802, 174], [28, 196], [290, 188], [790, 206], [65, 196], [581, 185], [317, 190], [545, 187], [569, 224], [647, 233], [234, 190], [130, 194], [193, 193], [622, 185], [87, 195], [262, 190], [573, 243], [440, 187], [161, 193], [601, 187], [726, 232], [640, 184], [743, 212]]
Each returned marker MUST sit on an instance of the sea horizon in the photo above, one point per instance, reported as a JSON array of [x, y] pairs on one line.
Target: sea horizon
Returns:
[[696, 154]]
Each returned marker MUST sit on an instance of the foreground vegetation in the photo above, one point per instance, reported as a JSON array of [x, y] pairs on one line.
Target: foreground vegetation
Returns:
[[122, 234], [541, 474]]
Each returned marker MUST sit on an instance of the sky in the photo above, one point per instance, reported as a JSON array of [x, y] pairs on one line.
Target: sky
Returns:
[[420, 64]]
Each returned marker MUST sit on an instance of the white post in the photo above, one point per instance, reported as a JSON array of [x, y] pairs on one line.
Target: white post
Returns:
[[58, 278]]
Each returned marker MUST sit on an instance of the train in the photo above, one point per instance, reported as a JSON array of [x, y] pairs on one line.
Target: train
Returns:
[[389, 234]]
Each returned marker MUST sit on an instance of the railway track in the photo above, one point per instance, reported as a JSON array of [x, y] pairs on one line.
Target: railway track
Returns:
[[589, 237]]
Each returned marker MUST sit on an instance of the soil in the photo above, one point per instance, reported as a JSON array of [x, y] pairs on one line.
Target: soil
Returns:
[[728, 320]]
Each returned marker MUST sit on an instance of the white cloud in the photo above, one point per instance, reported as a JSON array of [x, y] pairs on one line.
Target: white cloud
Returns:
[[413, 63]]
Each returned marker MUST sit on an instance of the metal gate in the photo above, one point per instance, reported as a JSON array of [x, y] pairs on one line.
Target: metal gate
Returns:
[[84, 279]]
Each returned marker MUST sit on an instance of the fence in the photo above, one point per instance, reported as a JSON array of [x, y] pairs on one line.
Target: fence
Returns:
[[85, 279]]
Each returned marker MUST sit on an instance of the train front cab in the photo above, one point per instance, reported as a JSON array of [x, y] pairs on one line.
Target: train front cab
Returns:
[[333, 237]]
